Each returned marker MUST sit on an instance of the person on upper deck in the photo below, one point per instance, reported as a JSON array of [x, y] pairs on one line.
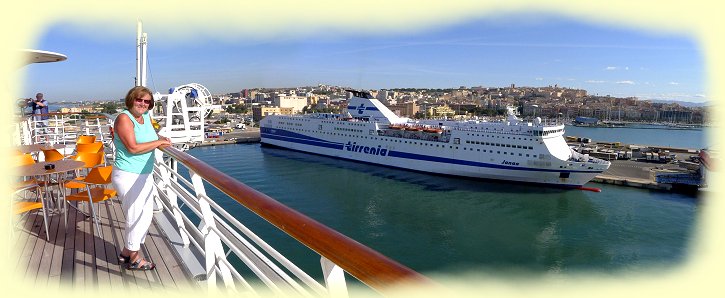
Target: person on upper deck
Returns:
[[40, 109], [135, 140]]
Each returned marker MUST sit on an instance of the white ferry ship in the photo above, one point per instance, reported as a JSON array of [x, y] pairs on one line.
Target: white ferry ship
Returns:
[[511, 150]]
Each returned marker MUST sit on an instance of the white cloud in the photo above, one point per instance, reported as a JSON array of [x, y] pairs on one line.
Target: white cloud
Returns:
[[626, 82], [595, 81], [611, 68], [539, 79], [673, 83]]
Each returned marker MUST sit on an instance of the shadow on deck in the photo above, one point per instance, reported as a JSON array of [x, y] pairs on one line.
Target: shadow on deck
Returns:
[[75, 258]]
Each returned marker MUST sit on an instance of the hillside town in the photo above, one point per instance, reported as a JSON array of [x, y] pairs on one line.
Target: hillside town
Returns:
[[553, 102]]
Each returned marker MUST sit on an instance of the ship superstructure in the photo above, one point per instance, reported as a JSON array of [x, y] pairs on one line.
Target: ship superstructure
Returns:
[[509, 149]]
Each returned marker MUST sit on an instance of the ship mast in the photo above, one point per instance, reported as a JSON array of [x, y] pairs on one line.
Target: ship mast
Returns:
[[141, 44]]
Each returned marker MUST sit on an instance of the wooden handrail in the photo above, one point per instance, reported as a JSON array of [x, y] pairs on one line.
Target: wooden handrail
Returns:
[[89, 114], [367, 265]]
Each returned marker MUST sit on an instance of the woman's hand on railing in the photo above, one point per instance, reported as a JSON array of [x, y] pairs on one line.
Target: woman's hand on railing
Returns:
[[163, 142]]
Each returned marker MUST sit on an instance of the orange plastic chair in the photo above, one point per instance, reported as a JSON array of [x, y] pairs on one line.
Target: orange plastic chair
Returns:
[[52, 155], [25, 159], [89, 160], [20, 207], [90, 147], [85, 139], [95, 192]]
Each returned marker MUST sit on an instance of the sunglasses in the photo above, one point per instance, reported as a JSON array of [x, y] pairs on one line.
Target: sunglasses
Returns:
[[146, 101]]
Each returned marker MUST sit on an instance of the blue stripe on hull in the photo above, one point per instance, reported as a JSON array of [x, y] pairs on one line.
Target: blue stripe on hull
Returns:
[[556, 185], [414, 156], [293, 137]]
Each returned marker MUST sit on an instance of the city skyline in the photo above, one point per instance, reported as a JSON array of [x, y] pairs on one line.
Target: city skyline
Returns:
[[490, 52]]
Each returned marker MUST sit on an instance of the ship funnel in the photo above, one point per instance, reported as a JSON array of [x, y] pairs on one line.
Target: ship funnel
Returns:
[[363, 106]]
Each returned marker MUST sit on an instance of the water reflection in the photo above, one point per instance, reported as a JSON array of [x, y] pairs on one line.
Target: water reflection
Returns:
[[432, 222], [442, 224]]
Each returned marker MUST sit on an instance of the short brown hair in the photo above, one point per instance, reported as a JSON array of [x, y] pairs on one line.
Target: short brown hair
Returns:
[[136, 92]]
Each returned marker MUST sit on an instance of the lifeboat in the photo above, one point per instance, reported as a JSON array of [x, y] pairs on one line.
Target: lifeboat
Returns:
[[433, 130]]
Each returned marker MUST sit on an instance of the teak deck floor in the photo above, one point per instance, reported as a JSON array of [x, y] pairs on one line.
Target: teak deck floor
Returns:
[[75, 258]]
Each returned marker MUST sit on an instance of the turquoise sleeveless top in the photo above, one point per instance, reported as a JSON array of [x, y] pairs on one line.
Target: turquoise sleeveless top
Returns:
[[136, 163]]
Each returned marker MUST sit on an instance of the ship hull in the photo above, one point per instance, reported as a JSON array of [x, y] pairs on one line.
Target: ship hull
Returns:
[[427, 158]]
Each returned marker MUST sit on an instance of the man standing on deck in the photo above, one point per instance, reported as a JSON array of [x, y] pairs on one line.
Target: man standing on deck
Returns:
[[40, 106]]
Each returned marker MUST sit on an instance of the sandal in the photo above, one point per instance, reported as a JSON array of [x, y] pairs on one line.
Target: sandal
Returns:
[[124, 259], [137, 265]]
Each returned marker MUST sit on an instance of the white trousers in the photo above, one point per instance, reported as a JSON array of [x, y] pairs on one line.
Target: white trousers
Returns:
[[136, 194]]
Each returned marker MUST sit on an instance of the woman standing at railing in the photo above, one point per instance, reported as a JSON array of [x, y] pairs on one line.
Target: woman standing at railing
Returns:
[[135, 140]]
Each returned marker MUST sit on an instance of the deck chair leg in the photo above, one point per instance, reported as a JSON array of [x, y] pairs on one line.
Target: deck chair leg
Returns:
[[93, 215], [45, 216], [45, 221], [65, 216]]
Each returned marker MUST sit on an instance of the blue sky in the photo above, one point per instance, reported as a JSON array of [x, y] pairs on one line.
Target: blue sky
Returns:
[[515, 49]]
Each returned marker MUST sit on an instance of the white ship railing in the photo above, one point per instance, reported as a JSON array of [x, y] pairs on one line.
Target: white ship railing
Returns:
[[218, 234], [205, 234], [64, 128]]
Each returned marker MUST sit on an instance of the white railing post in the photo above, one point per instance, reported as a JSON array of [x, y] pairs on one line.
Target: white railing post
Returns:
[[172, 197], [334, 278], [213, 248]]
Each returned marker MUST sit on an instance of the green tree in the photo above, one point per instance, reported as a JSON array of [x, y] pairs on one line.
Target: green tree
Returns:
[[109, 107], [320, 92], [236, 109]]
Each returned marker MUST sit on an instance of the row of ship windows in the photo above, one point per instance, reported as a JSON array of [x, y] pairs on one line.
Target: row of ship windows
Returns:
[[548, 132], [290, 123], [296, 119], [348, 129], [345, 123], [414, 143], [499, 145], [490, 136]]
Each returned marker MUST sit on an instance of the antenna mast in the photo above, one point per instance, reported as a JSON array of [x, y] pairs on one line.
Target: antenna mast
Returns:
[[141, 43]]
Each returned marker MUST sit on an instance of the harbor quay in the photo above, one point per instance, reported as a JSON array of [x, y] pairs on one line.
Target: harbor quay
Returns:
[[631, 169], [236, 136]]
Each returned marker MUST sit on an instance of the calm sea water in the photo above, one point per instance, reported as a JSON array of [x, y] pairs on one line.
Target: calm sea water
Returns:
[[445, 225], [645, 135]]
